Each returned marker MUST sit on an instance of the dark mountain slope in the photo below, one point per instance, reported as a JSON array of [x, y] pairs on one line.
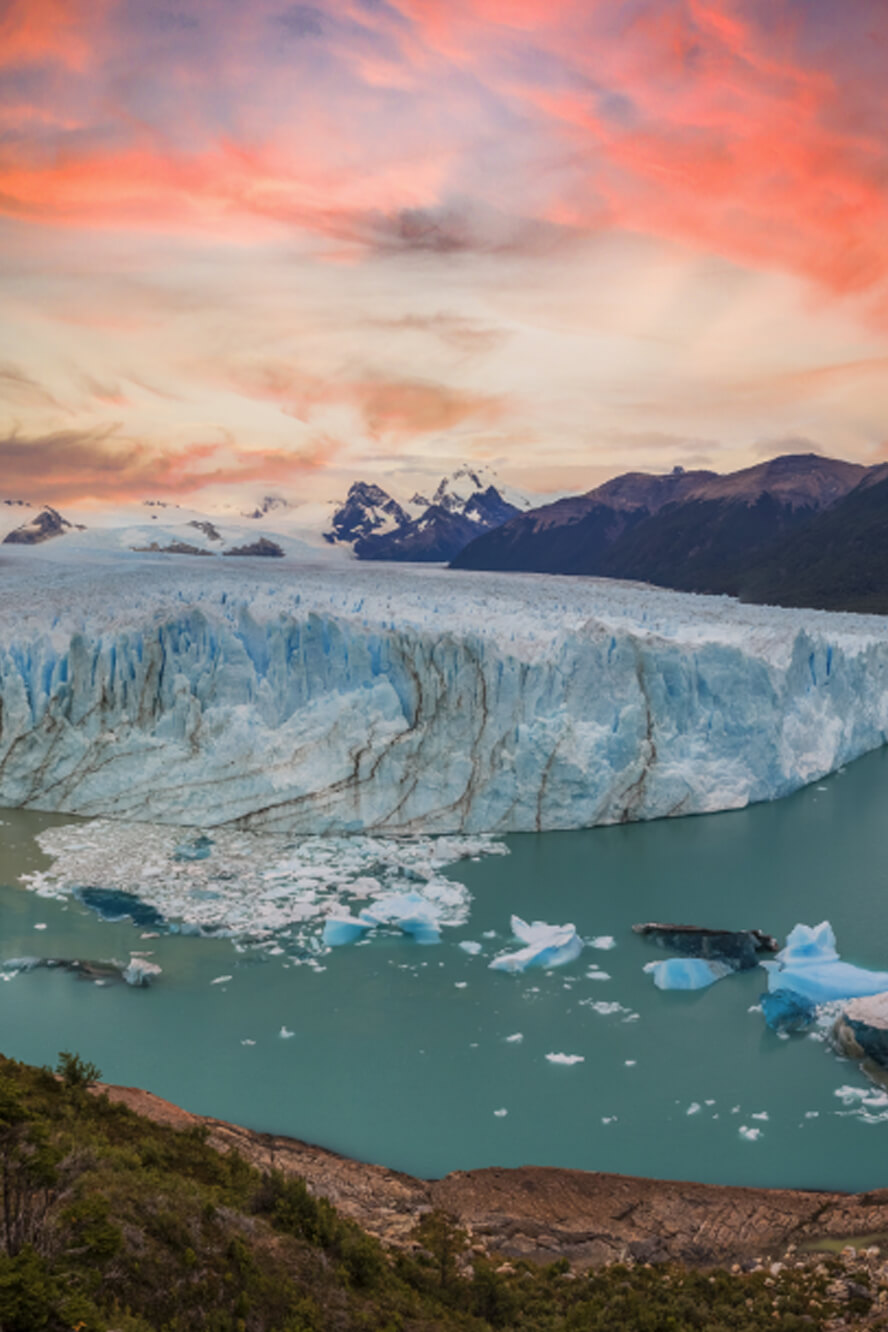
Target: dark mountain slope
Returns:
[[837, 561], [694, 531]]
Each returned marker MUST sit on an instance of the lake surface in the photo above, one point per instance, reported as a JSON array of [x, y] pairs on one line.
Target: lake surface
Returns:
[[400, 1054]]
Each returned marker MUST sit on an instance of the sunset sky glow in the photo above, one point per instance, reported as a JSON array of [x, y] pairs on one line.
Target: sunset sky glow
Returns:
[[274, 246]]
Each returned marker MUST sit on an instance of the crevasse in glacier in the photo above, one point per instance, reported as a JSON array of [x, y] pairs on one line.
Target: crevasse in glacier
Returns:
[[403, 701]]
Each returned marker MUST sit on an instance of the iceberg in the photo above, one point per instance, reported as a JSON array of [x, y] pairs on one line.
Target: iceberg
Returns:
[[810, 966], [410, 912], [785, 1011], [399, 701], [687, 973], [139, 971], [739, 948], [545, 946], [342, 927]]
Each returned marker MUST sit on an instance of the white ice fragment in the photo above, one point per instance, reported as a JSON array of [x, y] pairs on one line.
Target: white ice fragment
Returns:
[[247, 1041], [460, 985], [470, 946], [545, 946], [603, 941], [139, 971], [694, 1108], [761, 1114], [516, 1038], [750, 1134], [598, 975], [501, 1114], [630, 1063], [221, 980], [41, 926], [567, 1059], [285, 1034]]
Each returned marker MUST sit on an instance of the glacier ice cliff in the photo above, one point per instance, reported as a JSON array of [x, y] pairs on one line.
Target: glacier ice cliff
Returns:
[[304, 699]]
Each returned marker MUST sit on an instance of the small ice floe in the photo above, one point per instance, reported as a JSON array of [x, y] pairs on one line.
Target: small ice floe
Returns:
[[285, 1034], [604, 1007], [470, 946], [597, 974], [749, 1134], [603, 941], [341, 927], [516, 1038], [41, 926], [810, 966], [630, 1063], [139, 971], [694, 1108], [198, 848], [687, 973], [501, 1114], [460, 985], [221, 980], [545, 946], [761, 1114], [247, 1041], [608, 1119], [812, 1114], [567, 1059], [411, 913]]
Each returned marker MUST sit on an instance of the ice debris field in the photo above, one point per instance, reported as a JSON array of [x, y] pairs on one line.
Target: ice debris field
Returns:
[[392, 700]]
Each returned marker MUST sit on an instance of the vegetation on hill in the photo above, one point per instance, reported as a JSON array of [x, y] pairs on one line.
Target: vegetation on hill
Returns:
[[111, 1223]]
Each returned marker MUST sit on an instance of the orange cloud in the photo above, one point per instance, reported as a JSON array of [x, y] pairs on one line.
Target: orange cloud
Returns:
[[82, 465]]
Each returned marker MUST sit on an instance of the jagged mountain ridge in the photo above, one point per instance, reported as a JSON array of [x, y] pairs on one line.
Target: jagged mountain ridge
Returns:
[[468, 502], [693, 531]]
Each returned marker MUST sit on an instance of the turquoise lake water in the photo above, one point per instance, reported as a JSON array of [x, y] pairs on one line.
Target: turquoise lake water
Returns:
[[399, 1053]]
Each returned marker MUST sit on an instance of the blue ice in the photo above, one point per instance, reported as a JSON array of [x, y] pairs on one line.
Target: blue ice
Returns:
[[810, 966], [344, 928], [687, 973], [545, 946], [410, 912]]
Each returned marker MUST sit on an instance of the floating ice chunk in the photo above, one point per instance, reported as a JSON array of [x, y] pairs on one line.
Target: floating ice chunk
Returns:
[[545, 946], [750, 1134], [630, 1063], [784, 1010], [41, 926], [198, 848], [567, 1059], [221, 980], [809, 965], [603, 941], [501, 1114], [598, 975], [516, 1038], [460, 985], [470, 946], [694, 1108], [247, 1041], [687, 973], [411, 912], [285, 1034], [139, 971], [762, 1114], [343, 928]]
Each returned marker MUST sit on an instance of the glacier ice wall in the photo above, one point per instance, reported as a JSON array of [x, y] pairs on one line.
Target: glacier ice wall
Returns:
[[404, 701]]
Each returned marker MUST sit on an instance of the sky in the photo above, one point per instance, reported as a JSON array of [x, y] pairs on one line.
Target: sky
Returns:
[[271, 247]]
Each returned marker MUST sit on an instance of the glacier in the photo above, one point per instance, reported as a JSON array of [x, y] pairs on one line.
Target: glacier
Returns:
[[382, 700]]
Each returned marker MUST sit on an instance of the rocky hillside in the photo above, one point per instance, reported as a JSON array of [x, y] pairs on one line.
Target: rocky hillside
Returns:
[[693, 531], [464, 505]]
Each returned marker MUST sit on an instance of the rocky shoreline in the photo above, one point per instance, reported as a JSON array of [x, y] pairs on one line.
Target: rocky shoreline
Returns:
[[548, 1213]]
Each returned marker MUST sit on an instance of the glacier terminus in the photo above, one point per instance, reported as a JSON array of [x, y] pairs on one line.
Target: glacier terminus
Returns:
[[404, 700]]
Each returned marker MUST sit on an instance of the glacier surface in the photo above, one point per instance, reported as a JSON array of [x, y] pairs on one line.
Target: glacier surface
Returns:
[[306, 699]]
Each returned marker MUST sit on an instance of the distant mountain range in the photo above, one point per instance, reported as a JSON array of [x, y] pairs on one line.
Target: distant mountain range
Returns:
[[465, 504], [369, 523], [798, 530]]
